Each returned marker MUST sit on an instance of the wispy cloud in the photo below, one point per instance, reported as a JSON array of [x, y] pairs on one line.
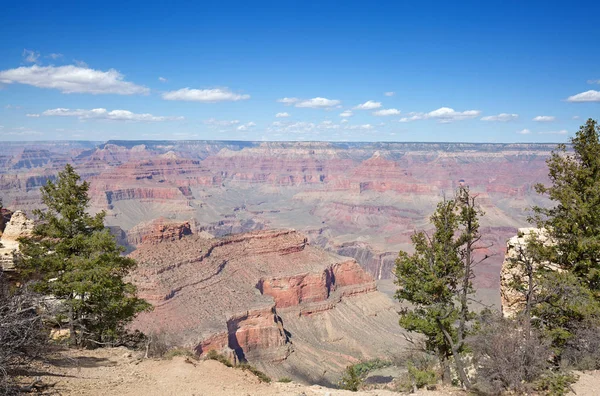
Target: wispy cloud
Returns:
[[443, 115], [561, 132], [544, 118], [31, 56], [593, 81], [204, 95], [587, 96], [215, 122], [103, 114], [288, 101], [524, 132], [318, 103], [346, 113], [246, 126], [368, 105], [282, 115], [55, 56], [72, 79], [390, 93], [386, 112], [502, 117], [162, 79]]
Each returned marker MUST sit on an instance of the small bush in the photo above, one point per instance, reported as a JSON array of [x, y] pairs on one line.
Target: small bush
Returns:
[[259, 374], [285, 380], [156, 345], [364, 368], [214, 355], [421, 373], [582, 351], [351, 380], [556, 383], [508, 359]]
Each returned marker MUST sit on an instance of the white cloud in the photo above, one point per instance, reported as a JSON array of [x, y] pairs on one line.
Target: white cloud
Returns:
[[386, 112], [389, 93], [359, 127], [31, 56], [162, 79], [72, 79], [288, 101], [246, 126], [32, 115], [346, 113], [587, 96], [575, 117], [21, 131], [544, 118], [524, 132], [593, 81], [502, 117], [443, 115], [317, 103], [282, 115], [215, 122], [55, 56], [204, 95], [368, 105], [344, 121], [9, 106], [103, 114]]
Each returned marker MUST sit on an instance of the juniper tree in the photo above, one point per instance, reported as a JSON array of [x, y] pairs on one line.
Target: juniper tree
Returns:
[[437, 280], [573, 223], [74, 258]]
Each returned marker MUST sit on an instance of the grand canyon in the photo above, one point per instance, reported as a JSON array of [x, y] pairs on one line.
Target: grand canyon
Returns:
[[281, 253]]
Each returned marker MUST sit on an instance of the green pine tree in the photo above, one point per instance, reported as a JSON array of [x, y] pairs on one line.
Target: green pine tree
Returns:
[[437, 281], [74, 258], [573, 222]]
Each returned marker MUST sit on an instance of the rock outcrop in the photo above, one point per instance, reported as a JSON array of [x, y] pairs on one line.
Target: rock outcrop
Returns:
[[516, 249], [18, 226], [229, 294]]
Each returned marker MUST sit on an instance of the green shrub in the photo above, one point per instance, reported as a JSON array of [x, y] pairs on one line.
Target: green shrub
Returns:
[[214, 355], [364, 368], [351, 380], [259, 374], [556, 383], [285, 380]]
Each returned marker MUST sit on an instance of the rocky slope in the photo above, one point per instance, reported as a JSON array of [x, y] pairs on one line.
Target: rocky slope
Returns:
[[268, 297], [17, 226]]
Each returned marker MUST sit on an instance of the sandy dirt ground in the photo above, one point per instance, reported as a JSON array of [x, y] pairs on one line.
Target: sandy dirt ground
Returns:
[[118, 371]]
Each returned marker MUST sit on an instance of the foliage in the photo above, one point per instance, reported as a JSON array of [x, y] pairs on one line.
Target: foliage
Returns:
[[284, 380], [214, 355], [365, 367], [563, 305], [23, 335], [259, 374], [73, 257], [574, 222], [582, 351], [556, 383], [437, 280], [509, 356], [350, 380], [420, 373]]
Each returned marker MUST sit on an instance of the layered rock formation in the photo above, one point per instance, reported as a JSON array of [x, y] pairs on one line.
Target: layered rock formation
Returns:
[[359, 199], [229, 293]]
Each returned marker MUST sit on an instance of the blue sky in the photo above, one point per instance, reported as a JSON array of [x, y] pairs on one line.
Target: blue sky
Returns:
[[509, 71]]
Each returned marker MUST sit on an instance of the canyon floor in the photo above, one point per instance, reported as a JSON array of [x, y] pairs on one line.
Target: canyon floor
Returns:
[[118, 371]]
